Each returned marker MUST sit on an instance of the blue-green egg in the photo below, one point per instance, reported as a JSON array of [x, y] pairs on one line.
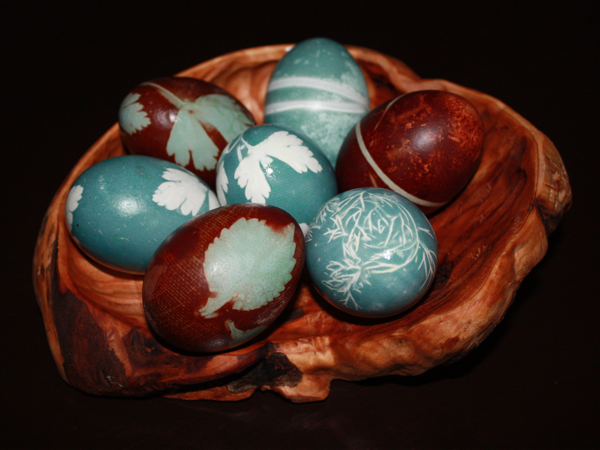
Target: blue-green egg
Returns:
[[371, 253], [318, 89], [121, 209], [277, 166]]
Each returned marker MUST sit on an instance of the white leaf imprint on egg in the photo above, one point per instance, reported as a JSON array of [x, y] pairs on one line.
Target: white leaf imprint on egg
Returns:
[[183, 190], [248, 264]]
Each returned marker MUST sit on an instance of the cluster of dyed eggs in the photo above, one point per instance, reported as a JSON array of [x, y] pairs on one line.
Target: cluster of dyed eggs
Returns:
[[221, 214]]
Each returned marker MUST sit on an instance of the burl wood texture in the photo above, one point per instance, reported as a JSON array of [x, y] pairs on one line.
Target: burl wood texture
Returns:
[[490, 237]]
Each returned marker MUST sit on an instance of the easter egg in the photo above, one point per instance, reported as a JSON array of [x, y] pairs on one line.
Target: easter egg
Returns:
[[318, 89], [182, 120], [370, 252], [425, 145], [223, 277], [119, 210], [275, 165]]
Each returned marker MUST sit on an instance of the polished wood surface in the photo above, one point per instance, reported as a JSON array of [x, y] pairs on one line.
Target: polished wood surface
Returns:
[[530, 384]]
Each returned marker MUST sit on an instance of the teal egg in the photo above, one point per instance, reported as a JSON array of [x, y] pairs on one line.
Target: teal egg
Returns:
[[318, 89], [121, 209], [371, 253], [277, 166]]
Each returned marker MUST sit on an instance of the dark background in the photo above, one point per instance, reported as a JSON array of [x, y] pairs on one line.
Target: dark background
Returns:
[[532, 384]]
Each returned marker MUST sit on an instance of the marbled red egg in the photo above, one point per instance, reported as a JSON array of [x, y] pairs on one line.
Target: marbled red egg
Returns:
[[224, 277], [182, 120], [424, 145]]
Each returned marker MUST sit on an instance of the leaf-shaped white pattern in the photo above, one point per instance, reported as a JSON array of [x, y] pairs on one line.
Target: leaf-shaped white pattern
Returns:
[[132, 117], [183, 190], [249, 264], [225, 114], [282, 145], [251, 177], [350, 221], [188, 136], [239, 336], [75, 194], [222, 183], [304, 227]]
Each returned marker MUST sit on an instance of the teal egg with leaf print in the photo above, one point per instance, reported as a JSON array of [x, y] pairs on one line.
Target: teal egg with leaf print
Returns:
[[120, 210], [371, 252], [318, 89], [278, 166]]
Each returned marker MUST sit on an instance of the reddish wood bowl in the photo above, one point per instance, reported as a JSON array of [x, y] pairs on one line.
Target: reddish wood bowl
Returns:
[[490, 237]]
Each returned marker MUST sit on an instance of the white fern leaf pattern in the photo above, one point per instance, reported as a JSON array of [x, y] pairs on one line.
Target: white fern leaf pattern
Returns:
[[222, 183], [183, 190], [267, 259], [251, 178], [132, 117], [280, 145], [222, 180], [382, 233], [75, 194], [225, 114], [189, 138]]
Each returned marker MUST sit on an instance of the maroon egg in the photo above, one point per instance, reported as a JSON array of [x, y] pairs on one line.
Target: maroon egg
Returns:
[[223, 277], [183, 120], [425, 145]]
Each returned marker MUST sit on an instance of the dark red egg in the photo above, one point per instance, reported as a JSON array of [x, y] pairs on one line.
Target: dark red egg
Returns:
[[223, 277], [182, 120], [424, 145]]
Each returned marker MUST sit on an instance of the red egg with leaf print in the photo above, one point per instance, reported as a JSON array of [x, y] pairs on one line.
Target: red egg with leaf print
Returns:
[[424, 145], [183, 120], [222, 278]]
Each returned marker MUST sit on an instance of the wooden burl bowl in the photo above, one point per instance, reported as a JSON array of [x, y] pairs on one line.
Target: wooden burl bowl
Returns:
[[490, 237]]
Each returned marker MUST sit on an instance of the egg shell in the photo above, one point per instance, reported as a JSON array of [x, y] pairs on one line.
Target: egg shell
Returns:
[[224, 277], [318, 89], [276, 165], [119, 210], [425, 145], [182, 120], [370, 252]]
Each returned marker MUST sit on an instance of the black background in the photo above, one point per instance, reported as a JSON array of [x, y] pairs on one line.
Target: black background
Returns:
[[532, 384]]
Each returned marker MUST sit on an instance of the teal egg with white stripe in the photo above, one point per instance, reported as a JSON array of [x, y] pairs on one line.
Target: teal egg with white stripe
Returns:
[[120, 210], [277, 166], [371, 252], [318, 89]]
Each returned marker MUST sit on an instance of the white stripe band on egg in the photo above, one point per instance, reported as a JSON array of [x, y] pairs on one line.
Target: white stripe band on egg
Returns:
[[393, 186], [345, 107], [324, 85], [166, 94]]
